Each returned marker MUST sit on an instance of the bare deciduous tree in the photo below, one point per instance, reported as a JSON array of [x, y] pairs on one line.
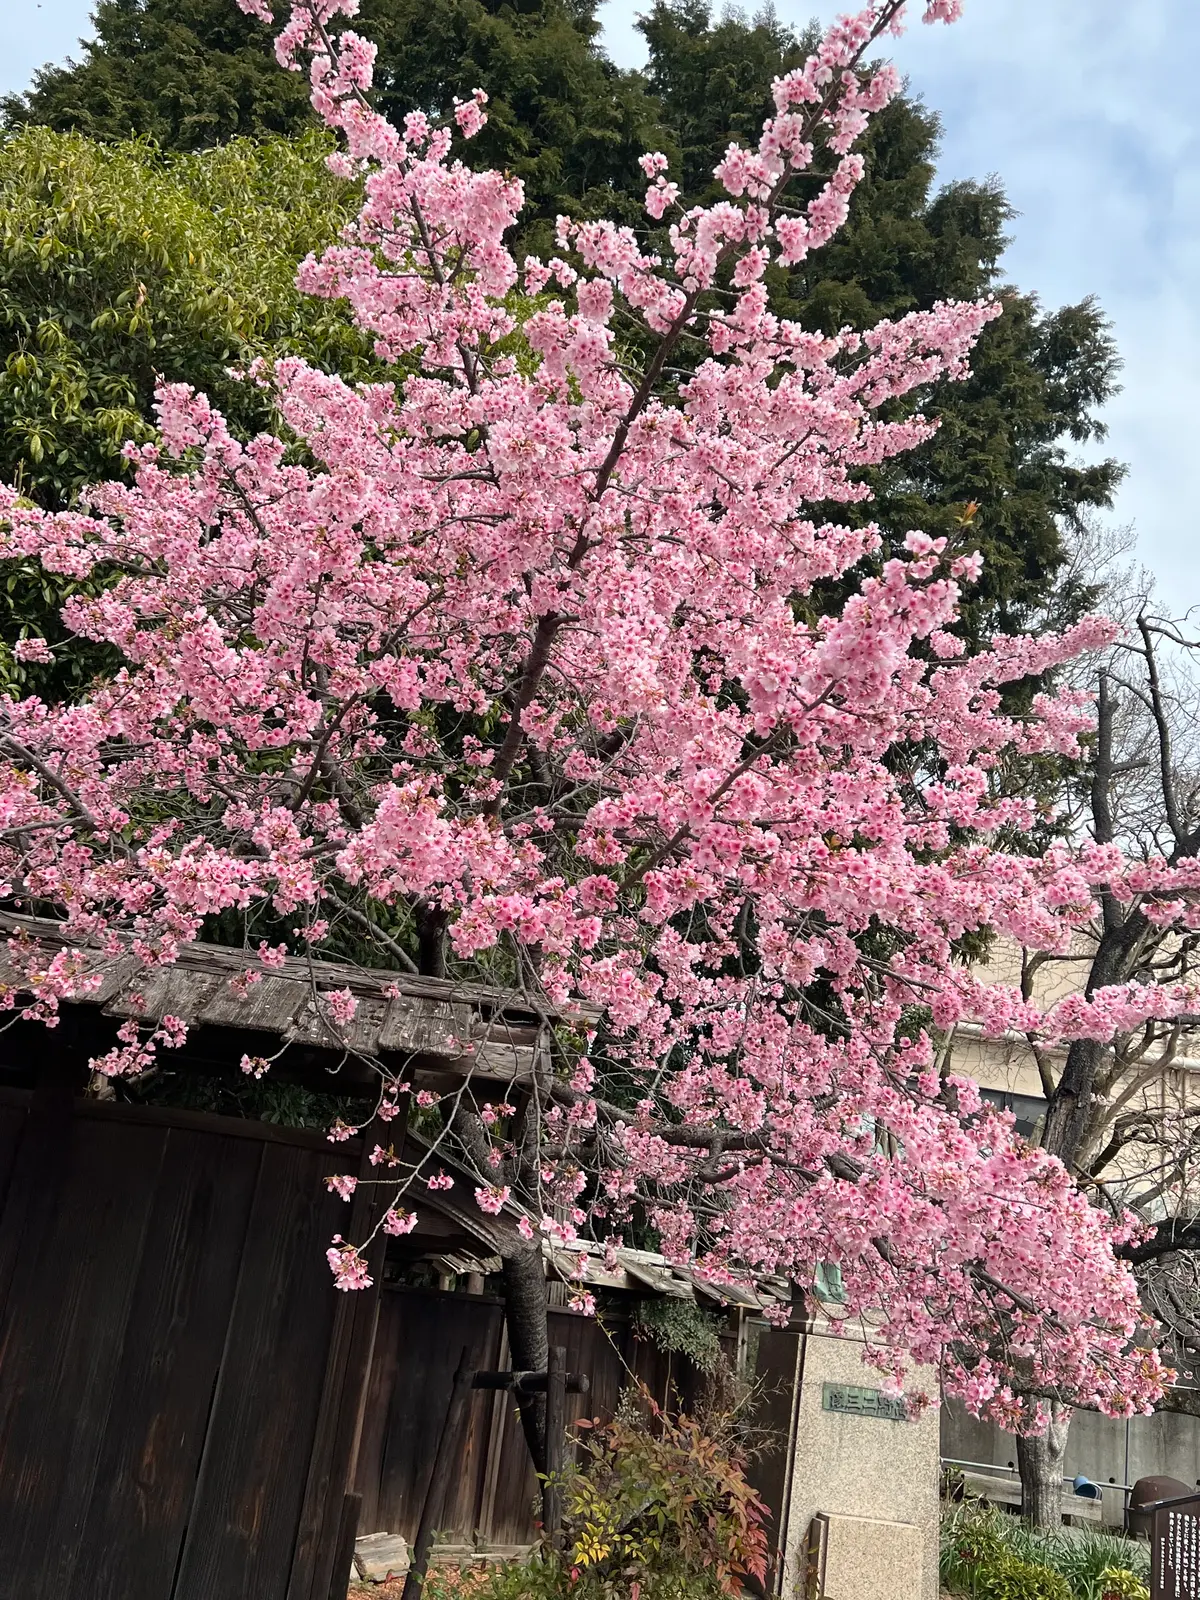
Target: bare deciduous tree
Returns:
[[1123, 1113]]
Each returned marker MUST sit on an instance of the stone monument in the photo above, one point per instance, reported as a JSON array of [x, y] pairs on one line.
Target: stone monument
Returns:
[[861, 1503]]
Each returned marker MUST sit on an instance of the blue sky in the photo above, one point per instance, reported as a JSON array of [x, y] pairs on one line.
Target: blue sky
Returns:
[[1088, 111]]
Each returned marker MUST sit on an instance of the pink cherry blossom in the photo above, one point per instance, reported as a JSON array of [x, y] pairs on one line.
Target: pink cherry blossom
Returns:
[[399, 1222], [32, 649], [347, 1265], [528, 643]]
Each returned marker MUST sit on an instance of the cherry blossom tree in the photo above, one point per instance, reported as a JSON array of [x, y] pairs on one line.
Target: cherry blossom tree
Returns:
[[550, 665]]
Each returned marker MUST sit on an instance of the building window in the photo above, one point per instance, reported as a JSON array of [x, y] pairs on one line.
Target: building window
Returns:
[[1028, 1109]]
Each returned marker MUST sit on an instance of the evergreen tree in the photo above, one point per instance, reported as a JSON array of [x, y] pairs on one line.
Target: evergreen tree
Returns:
[[187, 73], [191, 73], [1038, 378], [561, 117], [713, 79]]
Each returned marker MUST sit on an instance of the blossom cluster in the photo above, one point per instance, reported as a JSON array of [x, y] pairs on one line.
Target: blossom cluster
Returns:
[[547, 647]]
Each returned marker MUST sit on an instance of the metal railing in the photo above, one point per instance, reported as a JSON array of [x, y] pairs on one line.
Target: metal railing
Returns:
[[994, 1466]]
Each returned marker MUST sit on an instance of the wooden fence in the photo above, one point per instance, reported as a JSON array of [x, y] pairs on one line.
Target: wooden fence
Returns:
[[420, 1337], [181, 1388], [180, 1383]]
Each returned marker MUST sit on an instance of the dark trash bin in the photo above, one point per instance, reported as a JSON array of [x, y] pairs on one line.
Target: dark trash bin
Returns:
[[1146, 1493]]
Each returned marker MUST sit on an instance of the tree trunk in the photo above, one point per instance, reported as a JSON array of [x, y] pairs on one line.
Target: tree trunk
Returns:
[[432, 922], [1071, 1112], [525, 1314], [1072, 1105], [1040, 1461]]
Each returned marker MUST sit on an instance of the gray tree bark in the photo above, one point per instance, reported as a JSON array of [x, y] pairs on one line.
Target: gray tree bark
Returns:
[[1040, 1460], [525, 1315]]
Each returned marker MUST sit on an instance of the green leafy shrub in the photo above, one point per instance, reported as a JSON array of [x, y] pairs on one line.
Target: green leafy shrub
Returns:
[[681, 1326], [1095, 1564], [1118, 1583], [972, 1543], [1013, 1579], [662, 1503], [539, 1579], [118, 265], [657, 1508], [989, 1555]]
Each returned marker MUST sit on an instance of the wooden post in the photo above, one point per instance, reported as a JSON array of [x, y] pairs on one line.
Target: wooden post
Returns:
[[343, 1559], [555, 1383], [343, 1399], [556, 1422], [440, 1477], [491, 1482]]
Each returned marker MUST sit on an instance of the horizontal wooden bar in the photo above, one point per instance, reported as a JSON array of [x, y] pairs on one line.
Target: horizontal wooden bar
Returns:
[[529, 1382]]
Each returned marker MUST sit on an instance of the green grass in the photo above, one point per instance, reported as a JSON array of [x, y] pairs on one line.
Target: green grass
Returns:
[[977, 1542]]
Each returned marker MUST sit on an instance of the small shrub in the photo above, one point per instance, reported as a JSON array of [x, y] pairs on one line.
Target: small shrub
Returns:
[[1118, 1583], [1041, 1547], [988, 1555], [466, 1582], [658, 1509], [682, 1327], [661, 1508], [541, 1578], [1087, 1562], [1013, 1579], [973, 1541]]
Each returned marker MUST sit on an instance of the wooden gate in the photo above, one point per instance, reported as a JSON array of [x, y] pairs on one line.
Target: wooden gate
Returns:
[[180, 1382], [493, 1499]]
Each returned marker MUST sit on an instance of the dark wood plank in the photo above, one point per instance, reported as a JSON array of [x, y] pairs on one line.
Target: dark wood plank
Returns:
[[12, 1126], [501, 1405], [343, 1558], [60, 1344], [347, 1365], [372, 1445], [775, 1372], [240, 1541], [175, 1338], [596, 1350], [437, 1485], [464, 1505], [654, 1368], [38, 1166], [419, 1339], [556, 1443], [516, 1509], [222, 1127]]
